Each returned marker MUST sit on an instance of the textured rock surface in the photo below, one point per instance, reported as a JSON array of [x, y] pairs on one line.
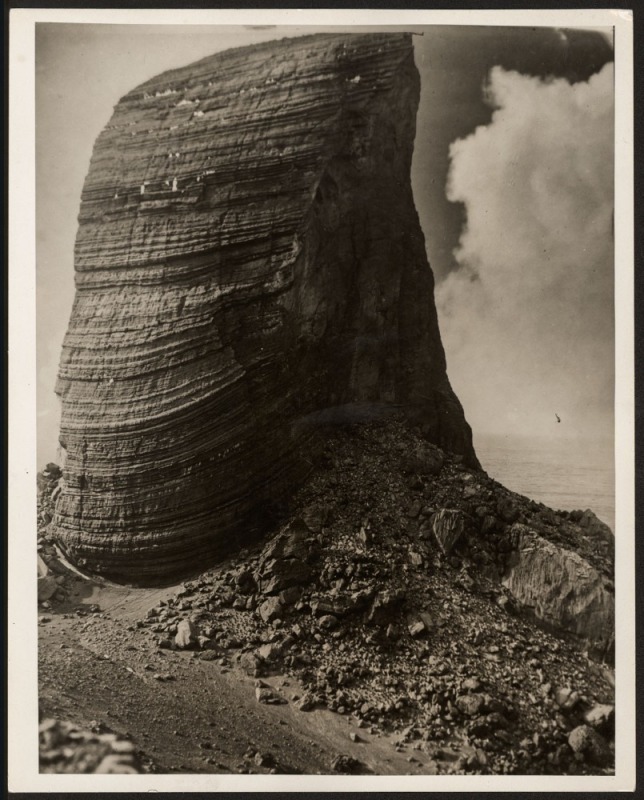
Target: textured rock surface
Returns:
[[448, 527], [590, 745], [249, 263], [561, 588], [484, 689]]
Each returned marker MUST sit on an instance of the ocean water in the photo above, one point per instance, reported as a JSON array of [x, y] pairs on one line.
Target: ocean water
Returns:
[[565, 474]]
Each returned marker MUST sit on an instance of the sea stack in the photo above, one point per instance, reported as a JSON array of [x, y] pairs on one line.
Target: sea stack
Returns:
[[249, 266]]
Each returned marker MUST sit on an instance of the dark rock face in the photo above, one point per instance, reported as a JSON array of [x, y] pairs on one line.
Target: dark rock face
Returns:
[[249, 258]]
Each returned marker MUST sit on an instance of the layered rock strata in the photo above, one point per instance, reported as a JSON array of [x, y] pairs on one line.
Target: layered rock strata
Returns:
[[249, 263]]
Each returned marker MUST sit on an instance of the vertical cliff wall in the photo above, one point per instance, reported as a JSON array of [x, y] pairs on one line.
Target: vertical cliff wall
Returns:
[[248, 256]]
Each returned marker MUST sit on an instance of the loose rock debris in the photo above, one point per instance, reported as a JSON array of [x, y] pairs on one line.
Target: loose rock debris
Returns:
[[367, 600]]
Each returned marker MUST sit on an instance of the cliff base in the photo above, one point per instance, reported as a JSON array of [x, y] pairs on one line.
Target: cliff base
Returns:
[[411, 616]]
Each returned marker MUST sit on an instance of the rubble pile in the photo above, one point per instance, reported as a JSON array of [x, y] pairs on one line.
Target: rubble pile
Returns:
[[383, 597], [65, 748]]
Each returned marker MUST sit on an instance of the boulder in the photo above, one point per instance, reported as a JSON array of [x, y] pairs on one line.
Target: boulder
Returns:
[[252, 664], [47, 585], [265, 694], [187, 635], [271, 609], [284, 561], [593, 747], [290, 596], [424, 459], [306, 703], [593, 526], [507, 510], [560, 588], [245, 581], [448, 526], [471, 705], [566, 698], [347, 765], [384, 606], [270, 652], [601, 717], [328, 622]]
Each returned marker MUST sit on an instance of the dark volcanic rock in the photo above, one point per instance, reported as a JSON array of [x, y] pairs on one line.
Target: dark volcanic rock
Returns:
[[249, 265]]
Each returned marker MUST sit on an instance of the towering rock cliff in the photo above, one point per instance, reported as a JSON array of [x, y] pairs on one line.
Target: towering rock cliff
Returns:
[[249, 261]]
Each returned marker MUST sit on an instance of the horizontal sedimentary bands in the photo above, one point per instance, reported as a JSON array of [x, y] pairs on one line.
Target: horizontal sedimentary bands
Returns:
[[248, 258]]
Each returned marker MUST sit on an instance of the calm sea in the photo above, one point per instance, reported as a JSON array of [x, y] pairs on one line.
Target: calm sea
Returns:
[[565, 474]]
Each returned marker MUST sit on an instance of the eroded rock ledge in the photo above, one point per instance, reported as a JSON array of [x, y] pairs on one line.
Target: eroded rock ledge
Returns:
[[248, 260]]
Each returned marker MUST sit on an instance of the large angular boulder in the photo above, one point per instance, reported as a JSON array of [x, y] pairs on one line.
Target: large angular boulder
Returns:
[[285, 561], [560, 588]]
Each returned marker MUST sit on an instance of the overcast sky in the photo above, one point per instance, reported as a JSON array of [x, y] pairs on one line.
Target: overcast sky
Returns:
[[512, 178]]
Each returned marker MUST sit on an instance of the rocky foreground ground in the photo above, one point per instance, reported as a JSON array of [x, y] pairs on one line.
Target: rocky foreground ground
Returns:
[[376, 631]]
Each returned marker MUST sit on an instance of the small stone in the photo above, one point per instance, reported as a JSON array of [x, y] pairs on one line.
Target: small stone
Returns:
[[270, 652], [187, 635], [264, 760], [470, 704], [123, 746], [115, 764], [565, 698], [270, 609], [384, 605], [262, 694], [252, 664], [47, 587], [306, 702], [290, 596], [266, 695], [600, 717], [364, 536], [392, 633], [346, 765]]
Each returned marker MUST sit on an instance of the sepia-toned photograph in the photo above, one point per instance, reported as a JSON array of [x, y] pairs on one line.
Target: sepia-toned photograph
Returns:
[[324, 405]]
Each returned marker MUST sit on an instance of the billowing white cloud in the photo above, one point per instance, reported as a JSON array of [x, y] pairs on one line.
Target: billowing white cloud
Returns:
[[527, 318]]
